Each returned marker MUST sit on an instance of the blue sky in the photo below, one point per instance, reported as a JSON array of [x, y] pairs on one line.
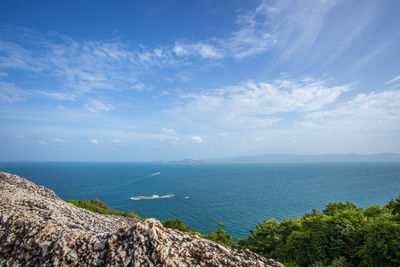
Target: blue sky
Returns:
[[149, 80]]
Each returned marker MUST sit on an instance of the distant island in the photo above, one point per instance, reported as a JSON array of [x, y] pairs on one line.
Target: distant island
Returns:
[[351, 157], [269, 158], [180, 161]]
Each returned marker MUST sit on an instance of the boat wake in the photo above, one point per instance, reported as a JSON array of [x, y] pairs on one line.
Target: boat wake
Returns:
[[152, 197]]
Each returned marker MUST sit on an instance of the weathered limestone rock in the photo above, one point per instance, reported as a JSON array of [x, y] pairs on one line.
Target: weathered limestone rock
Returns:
[[39, 229]]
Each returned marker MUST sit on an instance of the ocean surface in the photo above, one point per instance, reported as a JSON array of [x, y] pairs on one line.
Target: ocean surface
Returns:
[[239, 195]]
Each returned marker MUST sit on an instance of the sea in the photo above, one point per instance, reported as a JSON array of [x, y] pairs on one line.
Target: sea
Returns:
[[240, 195]]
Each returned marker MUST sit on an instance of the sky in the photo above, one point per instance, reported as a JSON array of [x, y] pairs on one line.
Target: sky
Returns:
[[167, 80]]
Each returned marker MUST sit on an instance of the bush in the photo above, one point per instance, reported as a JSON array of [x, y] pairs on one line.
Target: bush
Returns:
[[177, 224], [342, 235], [394, 208], [98, 206], [382, 244], [221, 236]]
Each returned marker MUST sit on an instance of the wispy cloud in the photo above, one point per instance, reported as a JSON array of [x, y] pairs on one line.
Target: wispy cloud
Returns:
[[59, 140], [168, 131], [197, 139], [139, 86], [395, 79], [94, 105], [11, 93], [252, 37], [93, 141], [56, 95], [14, 56], [365, 112], [292, 27], [197, 49], [78, 67]]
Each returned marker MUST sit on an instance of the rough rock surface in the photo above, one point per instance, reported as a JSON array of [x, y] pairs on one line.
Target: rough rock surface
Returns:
[[39, 229]]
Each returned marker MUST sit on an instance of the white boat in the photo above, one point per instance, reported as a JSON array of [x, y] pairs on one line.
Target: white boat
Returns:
[[168, 196], [152, 197]]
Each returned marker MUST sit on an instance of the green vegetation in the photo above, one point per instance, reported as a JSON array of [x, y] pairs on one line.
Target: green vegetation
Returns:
[[178, 224], [98, 206], [221, 236], [341, 235]]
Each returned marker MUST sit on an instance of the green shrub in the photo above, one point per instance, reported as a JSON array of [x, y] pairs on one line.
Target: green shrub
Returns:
[[382, 244], [342, 235], [177, 224], [394, 208], [221, 236], [98, 206], [96, 202]]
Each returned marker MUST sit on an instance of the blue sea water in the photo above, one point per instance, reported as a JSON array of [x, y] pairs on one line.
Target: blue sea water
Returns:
[[239, 195]]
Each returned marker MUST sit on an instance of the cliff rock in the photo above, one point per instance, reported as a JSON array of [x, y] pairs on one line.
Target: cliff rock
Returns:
[[39, 229]]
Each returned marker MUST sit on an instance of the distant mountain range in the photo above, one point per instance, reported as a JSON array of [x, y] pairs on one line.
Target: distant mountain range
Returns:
[[379, 157], [180, 161]]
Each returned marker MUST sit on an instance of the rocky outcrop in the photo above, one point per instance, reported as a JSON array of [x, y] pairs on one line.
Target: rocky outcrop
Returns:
[[39, 229]]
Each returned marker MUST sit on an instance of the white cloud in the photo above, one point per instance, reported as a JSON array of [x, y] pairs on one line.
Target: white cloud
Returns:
[[253, 36], [93, 141], [15, 56], [253, 105], [138, 86], [42, 142], [80, 67], [296, 24], [94, 105], [373, 112], [395, 79], [59, 140], [197, 49], [11, 93], [170, 134], [293, 26], [168, 131], [197, 139], [116, 141], [57, 95]]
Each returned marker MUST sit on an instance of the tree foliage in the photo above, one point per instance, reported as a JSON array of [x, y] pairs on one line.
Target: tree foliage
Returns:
[[342, 235], [179, 225], [221, 236]]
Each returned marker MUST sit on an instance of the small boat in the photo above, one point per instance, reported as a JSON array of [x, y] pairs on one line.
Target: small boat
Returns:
[[168, 196], [139, 197], [152, 197]]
